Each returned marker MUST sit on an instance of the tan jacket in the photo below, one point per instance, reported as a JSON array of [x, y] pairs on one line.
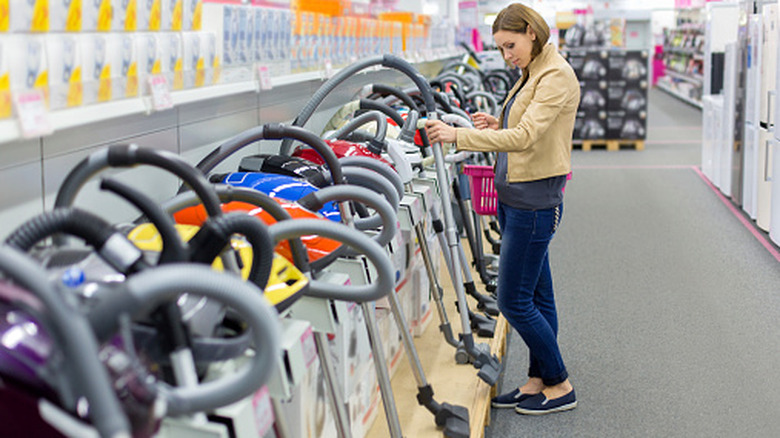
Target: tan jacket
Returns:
[[541, 121]]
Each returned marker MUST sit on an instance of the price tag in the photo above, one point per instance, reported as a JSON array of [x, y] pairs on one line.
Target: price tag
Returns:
[[328, 66], [264, 411], [160, 92], [264, 77], [33, 114]]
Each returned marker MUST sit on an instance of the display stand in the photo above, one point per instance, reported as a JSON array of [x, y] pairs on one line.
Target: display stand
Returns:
[[457, 384]]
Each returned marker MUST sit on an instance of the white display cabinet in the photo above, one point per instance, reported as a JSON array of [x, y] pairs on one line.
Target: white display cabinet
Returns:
[[708, 136], [726, 135], [774, 214], [753, 89], [764, 199]]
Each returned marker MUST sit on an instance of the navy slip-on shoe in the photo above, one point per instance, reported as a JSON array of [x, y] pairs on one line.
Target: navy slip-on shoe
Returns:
[[509, 400], [540, 405]]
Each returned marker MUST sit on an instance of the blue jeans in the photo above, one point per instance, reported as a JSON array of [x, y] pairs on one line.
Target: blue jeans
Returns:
[[525, 287]]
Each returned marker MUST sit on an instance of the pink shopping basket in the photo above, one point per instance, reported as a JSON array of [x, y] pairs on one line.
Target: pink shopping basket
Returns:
[[484, 198]]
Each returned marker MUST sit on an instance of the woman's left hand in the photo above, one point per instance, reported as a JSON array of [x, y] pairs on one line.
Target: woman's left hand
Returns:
[[439, 131]]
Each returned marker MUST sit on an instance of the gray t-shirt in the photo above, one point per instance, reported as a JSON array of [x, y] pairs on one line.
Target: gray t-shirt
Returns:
[[530, 195]]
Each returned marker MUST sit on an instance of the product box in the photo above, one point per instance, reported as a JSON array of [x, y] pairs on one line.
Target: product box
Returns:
[[101, 54], [96, 15], [622, 125], [627, 96], [192, 15], [590, 125], [263, 34], [26, 15], [6, 105], [171, 14], [126, 78], [307, 411], [148, 15], [421, 299], [390, 337], [246, 35], [222, 19], [628, 65], [593, 95], [172, 58], [350, 347], [148, 56], [363, 403], [64, 59], [124, 15], [194, 64], [64, 15], [28, 66], [590, 65]]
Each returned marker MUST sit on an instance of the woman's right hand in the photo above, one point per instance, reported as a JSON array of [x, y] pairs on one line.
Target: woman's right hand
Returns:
[[484, 121]]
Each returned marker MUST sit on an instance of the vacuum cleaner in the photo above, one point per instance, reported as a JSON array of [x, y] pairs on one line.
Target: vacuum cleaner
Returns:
[[482, 359]]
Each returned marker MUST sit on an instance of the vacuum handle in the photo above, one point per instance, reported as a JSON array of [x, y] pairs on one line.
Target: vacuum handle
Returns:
[[173, 249], [130, 156], [383, 284], [378, 167], [228, 193], [377, 142], [273, 131], [146, 290], [71, 333], [112, 246], [386, 215]]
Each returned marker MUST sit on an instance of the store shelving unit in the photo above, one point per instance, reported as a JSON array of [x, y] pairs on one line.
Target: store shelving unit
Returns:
[[102, 112], [684, 57]]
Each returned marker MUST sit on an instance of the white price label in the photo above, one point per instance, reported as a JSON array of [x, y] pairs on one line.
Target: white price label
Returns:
[[264, 77], [160, 92], [33, 114], [264, 411], [328, 67]]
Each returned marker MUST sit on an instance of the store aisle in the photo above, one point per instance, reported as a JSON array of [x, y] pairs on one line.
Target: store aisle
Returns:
[[669, 306]]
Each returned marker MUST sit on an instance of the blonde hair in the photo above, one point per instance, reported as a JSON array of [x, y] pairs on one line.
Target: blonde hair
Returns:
[[516, 18]]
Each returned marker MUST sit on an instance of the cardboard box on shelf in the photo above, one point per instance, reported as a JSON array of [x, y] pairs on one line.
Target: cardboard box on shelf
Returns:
[[26, 16], [6, 105], [593, 95], [363, 403], [590, 125], [148, 15], [622, 125], [307, 411], [350, 347], [627, 96], [65, 72], [588, 64], [391, 339], [628, 65]]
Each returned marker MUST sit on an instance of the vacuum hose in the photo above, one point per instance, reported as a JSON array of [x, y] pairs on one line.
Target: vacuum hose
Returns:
[[148, 289], [72, 334]]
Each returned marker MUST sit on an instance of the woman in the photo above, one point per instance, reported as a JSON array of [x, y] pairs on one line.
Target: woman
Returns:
[[533, 139]]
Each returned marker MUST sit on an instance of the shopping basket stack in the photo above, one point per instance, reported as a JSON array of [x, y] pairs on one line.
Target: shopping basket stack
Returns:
[[484, 198]]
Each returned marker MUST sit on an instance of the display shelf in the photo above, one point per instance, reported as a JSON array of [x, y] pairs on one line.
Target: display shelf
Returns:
[[100, 112], [684, 50], [697, 79], [670, 90]]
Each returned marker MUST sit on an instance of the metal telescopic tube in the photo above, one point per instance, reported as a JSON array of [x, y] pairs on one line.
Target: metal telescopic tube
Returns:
[[451, 234], [433, 280], [436, 289], [382, 373], [414, 359]]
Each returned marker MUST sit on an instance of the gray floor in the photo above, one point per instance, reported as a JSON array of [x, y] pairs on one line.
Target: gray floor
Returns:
[[669, 307]]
